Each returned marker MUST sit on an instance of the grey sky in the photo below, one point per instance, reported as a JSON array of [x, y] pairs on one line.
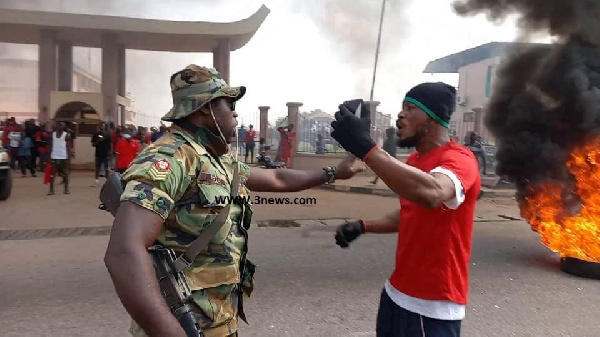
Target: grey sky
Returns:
[[319, 52]]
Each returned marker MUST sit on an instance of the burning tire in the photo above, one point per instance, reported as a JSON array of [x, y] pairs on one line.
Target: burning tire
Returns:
[[580, 268]]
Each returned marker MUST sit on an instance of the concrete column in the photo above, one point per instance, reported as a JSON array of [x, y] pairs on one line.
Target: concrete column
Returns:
[[65, 66], [122, 79], [294, 118], [221, 57], [264, 122], [47, 70], [122, 64], [478, 112], [110, 77], [373, 108]]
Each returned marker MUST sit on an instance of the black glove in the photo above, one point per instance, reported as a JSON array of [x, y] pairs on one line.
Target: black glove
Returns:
[[352, 132], [348, 232]]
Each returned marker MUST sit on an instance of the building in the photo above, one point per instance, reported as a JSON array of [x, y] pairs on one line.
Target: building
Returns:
[[56, 34], [477, 72], [19, 87]]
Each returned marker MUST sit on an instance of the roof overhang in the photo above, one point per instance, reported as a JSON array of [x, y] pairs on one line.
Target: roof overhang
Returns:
[[452, 63], [20, 26]]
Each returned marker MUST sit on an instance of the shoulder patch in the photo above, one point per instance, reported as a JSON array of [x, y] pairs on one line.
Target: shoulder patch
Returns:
[[162, 165], [160, 170]]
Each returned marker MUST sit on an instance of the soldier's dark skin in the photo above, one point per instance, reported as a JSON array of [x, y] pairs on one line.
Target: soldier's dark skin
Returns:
[[135, 229]]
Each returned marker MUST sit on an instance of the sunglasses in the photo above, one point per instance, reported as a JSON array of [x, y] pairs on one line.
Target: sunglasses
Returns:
[[230, 103]]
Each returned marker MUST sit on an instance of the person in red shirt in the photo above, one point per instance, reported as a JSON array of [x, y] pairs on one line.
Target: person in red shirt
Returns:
[[438, 188], [288, 139], [126, 150], [250, 144], [115, 136]]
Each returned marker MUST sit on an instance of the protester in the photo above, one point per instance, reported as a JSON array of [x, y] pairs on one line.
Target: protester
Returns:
[[60, 153], [288, 140], [250, 143], [438, 187], [156, 135], [26, 161], [126, 150], [14, 139], [101, 140]]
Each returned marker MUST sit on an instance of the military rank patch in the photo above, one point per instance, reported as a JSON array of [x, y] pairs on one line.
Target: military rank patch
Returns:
[[162, 165], [160, 170]]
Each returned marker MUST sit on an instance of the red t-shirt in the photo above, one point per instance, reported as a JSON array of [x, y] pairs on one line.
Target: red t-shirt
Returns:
[[250, 136], [434, 245], [127, 150], [287, 141]]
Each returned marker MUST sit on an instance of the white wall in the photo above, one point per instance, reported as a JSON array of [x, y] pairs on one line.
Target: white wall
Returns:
[[472, 86], [19, 85]]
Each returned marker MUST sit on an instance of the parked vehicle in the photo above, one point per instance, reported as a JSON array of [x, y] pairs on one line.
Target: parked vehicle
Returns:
[[5, 174]]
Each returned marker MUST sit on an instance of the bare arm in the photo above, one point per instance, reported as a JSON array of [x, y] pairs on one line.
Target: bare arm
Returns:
[[69, 145], [288, 180], [130, 267], [427, 190], [262, 180], [387, 224]]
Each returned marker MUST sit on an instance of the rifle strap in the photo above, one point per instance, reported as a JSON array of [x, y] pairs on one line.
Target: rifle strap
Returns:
[[188, 257]]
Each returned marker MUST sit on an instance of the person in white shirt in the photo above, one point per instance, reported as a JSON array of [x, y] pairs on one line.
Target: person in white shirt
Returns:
[[60, 150], [14, 138]]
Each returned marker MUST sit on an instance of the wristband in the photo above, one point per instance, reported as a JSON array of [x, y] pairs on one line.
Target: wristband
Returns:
[[330, 170]]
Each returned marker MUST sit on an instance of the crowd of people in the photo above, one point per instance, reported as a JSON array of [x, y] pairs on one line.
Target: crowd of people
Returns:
[[27, 144], [246, 142], [116, 147], [49, 148]]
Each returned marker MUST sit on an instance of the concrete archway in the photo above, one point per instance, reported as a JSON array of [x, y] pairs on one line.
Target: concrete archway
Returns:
[[80, 116]]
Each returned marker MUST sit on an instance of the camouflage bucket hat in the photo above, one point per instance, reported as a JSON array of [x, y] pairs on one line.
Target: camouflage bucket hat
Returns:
[[195, 86]]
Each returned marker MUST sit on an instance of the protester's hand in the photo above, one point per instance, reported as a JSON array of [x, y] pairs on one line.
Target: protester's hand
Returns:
[[348, 232], [352, 132]]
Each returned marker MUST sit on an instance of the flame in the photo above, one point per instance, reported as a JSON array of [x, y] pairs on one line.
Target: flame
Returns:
[[570, 235]]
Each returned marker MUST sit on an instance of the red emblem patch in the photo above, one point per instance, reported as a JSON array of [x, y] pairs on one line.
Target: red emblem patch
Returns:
[[162, 165]]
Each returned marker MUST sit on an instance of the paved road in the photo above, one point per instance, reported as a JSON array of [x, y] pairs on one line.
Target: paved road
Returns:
[[30, 208], [306, 286]]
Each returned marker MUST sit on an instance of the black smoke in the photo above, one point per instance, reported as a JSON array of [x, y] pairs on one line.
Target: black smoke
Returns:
[[546, 99]]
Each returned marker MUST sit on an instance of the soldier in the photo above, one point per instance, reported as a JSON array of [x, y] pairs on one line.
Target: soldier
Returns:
[[192, 160]]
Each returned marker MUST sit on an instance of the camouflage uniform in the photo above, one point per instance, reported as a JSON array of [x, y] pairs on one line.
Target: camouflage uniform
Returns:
[[179, 166]]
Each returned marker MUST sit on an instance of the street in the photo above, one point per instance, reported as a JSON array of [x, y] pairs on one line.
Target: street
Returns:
[[305, 284]]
